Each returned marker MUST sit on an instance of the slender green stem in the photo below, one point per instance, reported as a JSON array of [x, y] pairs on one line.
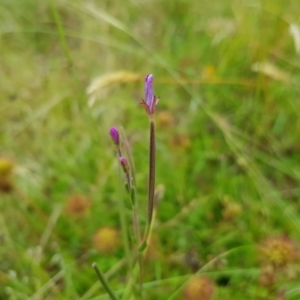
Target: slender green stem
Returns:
[[151, 195], [123, 218], [135, 216], [124, 229], [151, 172], [147, 237], [133, 194], [104, 282], [136, 226]]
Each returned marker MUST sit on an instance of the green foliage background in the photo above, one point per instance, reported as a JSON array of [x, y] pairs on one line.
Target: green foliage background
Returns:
[[233, 140]]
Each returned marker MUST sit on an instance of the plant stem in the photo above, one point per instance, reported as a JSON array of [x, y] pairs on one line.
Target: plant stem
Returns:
[[151, 172], [124, 230], [135, 209], [104, 282], [136, 226]]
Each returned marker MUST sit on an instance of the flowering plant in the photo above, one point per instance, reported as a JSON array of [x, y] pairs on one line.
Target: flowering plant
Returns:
[[149, 103]]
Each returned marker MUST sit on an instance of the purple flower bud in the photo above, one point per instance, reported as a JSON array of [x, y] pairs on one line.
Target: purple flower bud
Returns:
[[151, 100], [124, 164], [114, 133], [149, 94]]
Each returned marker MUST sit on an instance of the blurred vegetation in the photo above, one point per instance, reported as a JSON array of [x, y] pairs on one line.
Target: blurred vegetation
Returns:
[[228, 151]]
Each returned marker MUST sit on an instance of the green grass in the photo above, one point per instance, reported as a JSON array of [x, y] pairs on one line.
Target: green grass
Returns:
[[232, 142]]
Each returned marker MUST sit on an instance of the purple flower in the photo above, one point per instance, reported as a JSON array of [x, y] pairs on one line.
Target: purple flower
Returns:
[[151, 100], [114, 133]]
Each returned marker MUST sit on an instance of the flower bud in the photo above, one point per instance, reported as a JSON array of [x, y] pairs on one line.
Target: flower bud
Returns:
[[114, 133]]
